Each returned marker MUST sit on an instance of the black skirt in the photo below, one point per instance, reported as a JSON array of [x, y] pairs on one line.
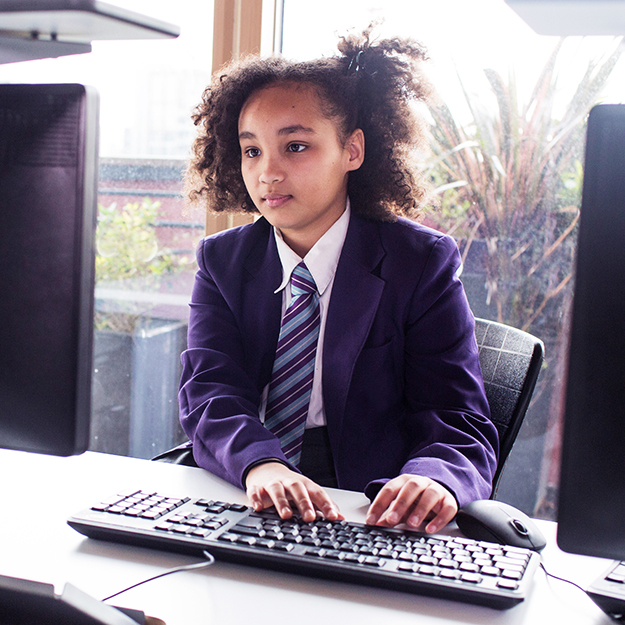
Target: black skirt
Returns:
[[316, 460]]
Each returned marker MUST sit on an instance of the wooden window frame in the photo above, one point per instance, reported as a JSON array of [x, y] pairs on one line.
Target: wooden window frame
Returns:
[[242, 27]]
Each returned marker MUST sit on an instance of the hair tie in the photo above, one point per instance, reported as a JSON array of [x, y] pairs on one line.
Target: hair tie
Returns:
[[357, 63]]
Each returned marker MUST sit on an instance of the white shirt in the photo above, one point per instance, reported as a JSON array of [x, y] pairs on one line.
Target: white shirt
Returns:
[[322, 261]]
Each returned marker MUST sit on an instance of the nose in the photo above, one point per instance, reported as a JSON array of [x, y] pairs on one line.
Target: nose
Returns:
[[271, 171]]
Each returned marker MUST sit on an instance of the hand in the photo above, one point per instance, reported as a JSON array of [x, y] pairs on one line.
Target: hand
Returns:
[[274, 484], [413, 499]]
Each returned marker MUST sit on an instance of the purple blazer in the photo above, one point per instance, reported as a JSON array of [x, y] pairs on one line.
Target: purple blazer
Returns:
[[402, 385]]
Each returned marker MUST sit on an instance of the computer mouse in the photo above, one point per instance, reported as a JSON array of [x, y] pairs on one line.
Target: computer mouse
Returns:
[[498, 522]]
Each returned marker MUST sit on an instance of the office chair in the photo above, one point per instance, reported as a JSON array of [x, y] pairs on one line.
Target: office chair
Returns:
[[510, 361]]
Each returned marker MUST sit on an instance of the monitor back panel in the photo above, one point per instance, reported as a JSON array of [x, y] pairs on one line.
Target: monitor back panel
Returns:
[[48, 177], [591, 511]]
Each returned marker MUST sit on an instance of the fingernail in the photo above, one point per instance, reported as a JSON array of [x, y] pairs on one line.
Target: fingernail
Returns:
[[373, 518], [393, 518]]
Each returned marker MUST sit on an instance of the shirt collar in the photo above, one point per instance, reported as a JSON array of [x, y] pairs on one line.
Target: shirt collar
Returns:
[[322, 258]]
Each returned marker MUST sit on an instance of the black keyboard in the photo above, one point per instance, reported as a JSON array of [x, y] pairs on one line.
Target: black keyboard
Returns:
[[441, 566], [608, 592]]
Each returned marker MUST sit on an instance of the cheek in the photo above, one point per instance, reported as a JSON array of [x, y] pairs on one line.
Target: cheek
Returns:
[[328, 176], [320, 172], [247, 176]]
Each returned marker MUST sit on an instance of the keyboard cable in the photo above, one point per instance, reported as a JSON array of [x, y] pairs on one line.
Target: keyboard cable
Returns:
[[211, 560], [617, 617], [179, 569], [560, 579]]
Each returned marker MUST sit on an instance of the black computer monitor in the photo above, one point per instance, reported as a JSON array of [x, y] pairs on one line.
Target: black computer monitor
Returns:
[[48, 195], [591, 511]]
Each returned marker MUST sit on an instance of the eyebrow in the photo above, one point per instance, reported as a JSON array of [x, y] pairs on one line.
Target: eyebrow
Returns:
[[287, 130]]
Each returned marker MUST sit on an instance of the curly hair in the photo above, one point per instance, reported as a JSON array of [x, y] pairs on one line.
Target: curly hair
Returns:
[[370, 85]]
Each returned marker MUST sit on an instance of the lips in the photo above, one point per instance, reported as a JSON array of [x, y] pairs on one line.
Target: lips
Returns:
[[275, 200]]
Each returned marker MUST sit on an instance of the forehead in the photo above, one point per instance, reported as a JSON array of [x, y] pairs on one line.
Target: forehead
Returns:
[[285, 103]]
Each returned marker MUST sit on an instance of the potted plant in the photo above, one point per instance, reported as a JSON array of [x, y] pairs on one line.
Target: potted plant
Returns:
[[509, 183], [136, 356]]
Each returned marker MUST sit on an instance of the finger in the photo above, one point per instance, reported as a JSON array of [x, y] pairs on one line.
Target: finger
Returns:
[[278, 496], [322, 502], [259, 498], [444, 516], [403, 503], [381, 502], [300, 496], [430, 497], [437, 504]]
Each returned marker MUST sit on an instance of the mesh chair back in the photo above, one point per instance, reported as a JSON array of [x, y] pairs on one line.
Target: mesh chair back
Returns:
[[511, 360]]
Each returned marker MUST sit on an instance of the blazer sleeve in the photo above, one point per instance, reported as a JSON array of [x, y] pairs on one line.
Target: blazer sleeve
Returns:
[[447, 422], [219, 400]]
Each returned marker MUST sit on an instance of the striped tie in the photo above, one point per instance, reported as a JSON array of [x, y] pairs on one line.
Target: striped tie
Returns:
[[293, 368]]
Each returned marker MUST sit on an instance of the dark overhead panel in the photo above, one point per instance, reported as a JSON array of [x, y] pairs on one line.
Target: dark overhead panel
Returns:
[[31, 29]]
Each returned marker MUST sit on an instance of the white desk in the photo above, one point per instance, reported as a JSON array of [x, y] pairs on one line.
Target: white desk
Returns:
[[37, 544]]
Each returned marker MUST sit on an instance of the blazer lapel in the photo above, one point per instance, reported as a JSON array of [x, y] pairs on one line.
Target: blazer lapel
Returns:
[[355, 298], [261, 307]]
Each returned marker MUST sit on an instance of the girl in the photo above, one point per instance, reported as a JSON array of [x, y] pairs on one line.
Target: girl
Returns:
[[383, 391]]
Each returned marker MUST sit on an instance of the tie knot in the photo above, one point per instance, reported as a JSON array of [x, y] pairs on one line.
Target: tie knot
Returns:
[[302, 281]]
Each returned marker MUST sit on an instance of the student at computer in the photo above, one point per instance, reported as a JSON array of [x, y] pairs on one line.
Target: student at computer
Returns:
[[383, 373]]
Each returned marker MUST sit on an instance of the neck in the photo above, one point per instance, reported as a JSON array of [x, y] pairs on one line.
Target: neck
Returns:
[[301, 246], [302, 240]]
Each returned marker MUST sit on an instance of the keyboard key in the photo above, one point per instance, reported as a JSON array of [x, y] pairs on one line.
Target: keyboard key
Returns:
[[353, 557], [470, 567], [616, 577], [237, 507], [281, 546], [472, 578], [508, 584], [492, 571], [427, 570], [151, 514]]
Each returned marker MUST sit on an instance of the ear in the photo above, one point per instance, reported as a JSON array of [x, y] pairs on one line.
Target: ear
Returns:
[[355, 146]]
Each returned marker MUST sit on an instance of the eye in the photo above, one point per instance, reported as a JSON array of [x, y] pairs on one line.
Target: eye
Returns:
[[252, 152], [296, 147]]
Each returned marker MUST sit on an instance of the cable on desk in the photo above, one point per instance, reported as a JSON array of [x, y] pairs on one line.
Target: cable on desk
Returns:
[[179, 569], [615, 616], [560, 579]]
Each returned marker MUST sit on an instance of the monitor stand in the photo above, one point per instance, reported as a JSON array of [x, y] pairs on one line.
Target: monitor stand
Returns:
[[23, 602]]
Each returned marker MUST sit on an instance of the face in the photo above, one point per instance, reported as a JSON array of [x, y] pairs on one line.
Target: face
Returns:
[[293, 162]]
